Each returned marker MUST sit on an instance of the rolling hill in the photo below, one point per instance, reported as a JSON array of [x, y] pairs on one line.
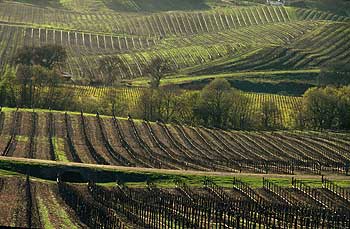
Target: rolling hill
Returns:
[[216, 38]]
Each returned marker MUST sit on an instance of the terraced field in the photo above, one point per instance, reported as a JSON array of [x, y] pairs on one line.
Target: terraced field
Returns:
[[218, 38]]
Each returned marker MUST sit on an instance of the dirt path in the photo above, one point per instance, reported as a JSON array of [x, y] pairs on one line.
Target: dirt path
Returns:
[[167, 171]]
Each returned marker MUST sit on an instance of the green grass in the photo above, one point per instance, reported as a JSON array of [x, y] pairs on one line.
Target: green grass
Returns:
[[44, 214], [8, 173], [10, 109], [59, 212], [137, 177], [59, 145], [21, 138], [340, 7], [63, 216], [226, 182], [180, 79], [136, 5]]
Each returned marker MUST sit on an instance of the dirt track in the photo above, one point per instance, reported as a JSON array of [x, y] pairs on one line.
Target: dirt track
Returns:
[[166, 171]]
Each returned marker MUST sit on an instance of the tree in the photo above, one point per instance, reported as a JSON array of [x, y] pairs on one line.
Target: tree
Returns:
[[45, 83], [184, 108], [113, 101], [320, 107], [157, 69], [269, 114], [47, 56], [343, 105], [36, 70], [112, 66], [7, 88], [149, 105], [239, 115], [214, 103], [24, 79], [169, 98], [326, 108]]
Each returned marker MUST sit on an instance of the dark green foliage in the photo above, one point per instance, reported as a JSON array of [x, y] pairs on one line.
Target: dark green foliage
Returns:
[[221, 106], [214, 103], [284, 84], [340, 7], [47, 56], [32, 80], [36, 72], [326, 108], [284, 88], [7, 88]]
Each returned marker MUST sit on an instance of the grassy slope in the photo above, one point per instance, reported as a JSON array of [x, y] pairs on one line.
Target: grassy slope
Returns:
[[341, 7], [185, 79], [137, 177], [98, 5], [157, 5], [124, 5], [40, 3], [164, 5]]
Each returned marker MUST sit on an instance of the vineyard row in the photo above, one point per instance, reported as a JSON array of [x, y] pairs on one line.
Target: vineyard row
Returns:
[[115, 141]]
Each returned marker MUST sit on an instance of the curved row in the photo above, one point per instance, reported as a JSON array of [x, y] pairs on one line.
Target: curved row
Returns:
[[133, 143]]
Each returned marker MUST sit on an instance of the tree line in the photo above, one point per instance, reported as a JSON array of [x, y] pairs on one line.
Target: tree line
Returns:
[[325, 108], [35, 78], [218, 105]]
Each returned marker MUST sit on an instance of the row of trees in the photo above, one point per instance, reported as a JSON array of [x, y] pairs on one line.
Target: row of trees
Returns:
[[113, 66], [217, 105], [35, 80]]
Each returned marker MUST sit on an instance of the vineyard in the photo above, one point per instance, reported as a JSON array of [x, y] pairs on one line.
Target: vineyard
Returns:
[[127, 142], [209, 206], [60, 168], [329, 43], [286, 104], [219, 39]]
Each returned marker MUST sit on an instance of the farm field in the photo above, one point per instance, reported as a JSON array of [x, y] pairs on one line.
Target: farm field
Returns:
[[131, 96], [126, 142], [51, 204], [288, 38], [174, 114]]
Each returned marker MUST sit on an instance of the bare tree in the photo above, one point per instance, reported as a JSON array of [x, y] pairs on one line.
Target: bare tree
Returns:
[[157, 69], [112, 66], [47, 56]]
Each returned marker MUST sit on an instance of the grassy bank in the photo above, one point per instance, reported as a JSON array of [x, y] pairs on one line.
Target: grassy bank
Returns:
[[138, 177]]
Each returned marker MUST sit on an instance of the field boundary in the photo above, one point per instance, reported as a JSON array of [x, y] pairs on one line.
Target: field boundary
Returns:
[[46, 169]]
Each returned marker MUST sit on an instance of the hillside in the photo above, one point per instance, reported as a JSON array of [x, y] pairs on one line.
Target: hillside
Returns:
[[120, 206], [124, 6], [178, 114], [286, 37], [112, 141]]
